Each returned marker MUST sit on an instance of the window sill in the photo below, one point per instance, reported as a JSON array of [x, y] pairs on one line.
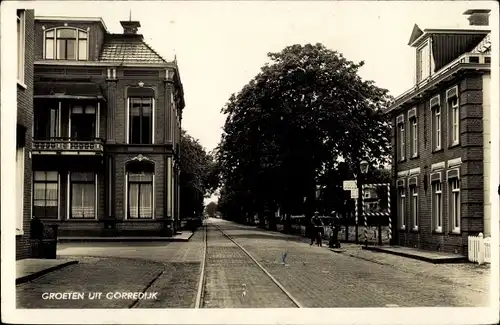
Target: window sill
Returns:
[[453, 145], [437, 232], [414, 157], [142, 220], [81, 219], [437, 150], [415, 230], [22, 85], [402, 228], [402, 160], [455, 232], [19, 232]]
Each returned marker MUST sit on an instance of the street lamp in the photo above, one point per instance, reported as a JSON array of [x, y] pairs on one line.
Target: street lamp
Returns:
[[363, 167]]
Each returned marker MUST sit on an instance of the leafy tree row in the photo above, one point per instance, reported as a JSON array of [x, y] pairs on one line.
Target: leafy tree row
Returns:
[[198, 178], [288, 129]]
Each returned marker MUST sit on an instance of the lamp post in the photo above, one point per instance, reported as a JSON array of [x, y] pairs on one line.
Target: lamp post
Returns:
[[363, 168]]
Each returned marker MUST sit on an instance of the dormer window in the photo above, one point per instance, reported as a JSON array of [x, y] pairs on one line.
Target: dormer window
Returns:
[[424, 61], [66, 43]]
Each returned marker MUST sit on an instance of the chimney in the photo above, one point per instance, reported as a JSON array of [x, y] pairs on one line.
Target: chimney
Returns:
[[478, 17], [130, 27]]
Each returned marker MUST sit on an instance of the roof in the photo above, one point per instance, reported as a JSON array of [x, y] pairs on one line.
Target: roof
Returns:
[[129, 49], [418, 35], [484, 46], [64, 18]]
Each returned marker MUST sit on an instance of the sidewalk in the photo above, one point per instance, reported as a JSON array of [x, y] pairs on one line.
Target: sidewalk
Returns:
[[31, 268], [464, 274], [426, 256], [183, 236]]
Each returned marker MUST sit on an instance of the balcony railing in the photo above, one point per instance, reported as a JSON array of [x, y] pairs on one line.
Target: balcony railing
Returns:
[[68, 146]]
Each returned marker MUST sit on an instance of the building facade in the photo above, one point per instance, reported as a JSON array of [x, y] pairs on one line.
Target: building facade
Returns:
[[106, 131], [25, 59], [441, 139]]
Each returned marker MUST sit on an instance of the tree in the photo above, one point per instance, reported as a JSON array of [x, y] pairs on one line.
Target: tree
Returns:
[[211, 209], [286, 129], [197, 178]]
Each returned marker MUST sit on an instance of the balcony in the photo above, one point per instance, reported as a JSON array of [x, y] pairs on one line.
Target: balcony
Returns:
[[68, 146]]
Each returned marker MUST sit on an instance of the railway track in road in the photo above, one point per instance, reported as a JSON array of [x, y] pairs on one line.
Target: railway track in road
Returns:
[[257, 268]]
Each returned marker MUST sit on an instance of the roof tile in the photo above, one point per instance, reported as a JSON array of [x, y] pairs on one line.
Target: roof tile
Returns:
[[484, 46], [129, 50]]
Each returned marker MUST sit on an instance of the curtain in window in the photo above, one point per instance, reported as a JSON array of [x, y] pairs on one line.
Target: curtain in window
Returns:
[[146, 200], [45, 194], [134, 201], [83, 195], [140, 202]]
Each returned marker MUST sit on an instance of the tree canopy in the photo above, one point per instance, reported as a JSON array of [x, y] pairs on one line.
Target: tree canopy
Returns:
[[198, 178], [287, 128]]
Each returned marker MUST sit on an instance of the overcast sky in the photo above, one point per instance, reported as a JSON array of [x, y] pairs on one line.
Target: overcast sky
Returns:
[[220, 46]]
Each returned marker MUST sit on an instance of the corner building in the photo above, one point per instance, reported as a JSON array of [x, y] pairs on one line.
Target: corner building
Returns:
[[441, 139], [23, 135], [106, 134]]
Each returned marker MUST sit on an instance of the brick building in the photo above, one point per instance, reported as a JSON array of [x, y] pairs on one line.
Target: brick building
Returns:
[[441, 139], [107, 118], [25, 59]]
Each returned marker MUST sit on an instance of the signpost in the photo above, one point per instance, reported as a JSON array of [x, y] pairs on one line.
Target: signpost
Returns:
[[350, 185]]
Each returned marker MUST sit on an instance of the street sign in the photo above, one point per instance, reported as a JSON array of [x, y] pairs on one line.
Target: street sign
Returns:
[[350, 185], [354, 194]]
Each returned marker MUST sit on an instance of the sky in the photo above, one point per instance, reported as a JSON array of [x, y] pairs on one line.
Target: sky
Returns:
[[221, 45]]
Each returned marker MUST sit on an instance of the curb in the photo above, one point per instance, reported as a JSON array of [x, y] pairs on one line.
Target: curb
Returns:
[[452, 260], [122, 239], [38, 274]]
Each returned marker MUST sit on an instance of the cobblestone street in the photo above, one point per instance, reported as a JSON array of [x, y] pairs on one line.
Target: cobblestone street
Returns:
[[312, 276]]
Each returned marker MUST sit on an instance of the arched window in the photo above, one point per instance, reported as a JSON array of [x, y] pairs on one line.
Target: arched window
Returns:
[[140, 189], [66, 43]]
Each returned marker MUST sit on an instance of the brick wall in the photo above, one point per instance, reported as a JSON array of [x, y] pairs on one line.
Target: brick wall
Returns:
[[121, 105], [25, 118], [471, 169], [95, 36], [159, 191]]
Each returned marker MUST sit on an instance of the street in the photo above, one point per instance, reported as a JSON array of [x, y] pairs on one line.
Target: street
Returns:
[[246, 267]]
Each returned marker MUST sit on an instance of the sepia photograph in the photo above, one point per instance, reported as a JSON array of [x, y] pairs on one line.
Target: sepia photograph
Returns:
[[250, 162]]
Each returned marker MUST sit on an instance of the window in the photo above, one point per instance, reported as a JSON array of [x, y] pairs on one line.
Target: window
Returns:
[[402, 140], [402, 208], [46, 194], [423, 62], [437, 206], [414, 137], [455, 121], [414, 207], [83, 195], [19, 190], [83, 122], [455, 205], [66, 44], [20, 45], [140, 120], [437, 128], [46, 123], [140, 195]]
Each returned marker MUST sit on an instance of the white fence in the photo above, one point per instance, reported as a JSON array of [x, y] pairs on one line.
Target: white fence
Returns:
[[479, 249]]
